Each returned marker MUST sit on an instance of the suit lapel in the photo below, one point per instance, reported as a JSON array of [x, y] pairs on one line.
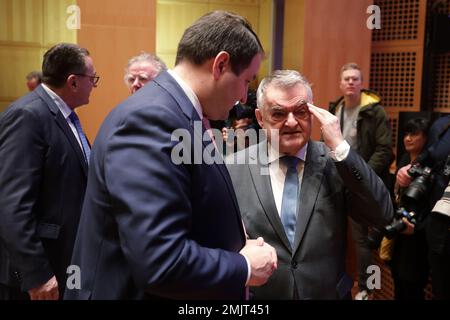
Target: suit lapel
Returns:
[[264, 191], [311, 182], [64, 126], [166, 81], [226, 176]]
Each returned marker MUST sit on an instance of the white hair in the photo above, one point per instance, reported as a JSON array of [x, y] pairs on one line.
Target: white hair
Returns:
[[155, 61], [281, 79]]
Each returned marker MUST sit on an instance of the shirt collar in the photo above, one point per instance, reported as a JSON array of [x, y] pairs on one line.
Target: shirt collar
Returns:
[[62, 106], [189, 93], [274, 155]]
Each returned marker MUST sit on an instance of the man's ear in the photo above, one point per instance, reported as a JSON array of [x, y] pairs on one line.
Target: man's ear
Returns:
[[71, 82], [221, 64], [258, 115]]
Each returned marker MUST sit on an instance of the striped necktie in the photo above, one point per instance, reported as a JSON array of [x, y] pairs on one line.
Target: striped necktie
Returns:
[[86, 149]]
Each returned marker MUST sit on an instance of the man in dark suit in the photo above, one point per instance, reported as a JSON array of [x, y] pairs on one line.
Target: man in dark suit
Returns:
[[43, 173], [158, 222], [296, 193]]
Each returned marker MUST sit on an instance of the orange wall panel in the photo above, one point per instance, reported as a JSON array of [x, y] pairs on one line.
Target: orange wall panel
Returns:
[[113, 31], [335, 33]]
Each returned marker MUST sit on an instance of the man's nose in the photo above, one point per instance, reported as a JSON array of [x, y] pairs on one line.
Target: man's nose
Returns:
[[136, 83], [291, 121]]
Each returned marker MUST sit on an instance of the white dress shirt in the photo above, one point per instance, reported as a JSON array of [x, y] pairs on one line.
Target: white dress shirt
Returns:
[[65, 110], [277, 171]]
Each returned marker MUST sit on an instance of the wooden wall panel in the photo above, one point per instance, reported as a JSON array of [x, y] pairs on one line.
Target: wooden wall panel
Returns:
[[172, 19], [27, 29], [175, 16], [441, 83], [113, 32], [335, 33], [397, 56], [293, 37], [396, 74], [402, 21]]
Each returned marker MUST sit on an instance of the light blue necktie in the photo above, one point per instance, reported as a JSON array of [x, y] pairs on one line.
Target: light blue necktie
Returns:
[[86, 149], [290, 197]]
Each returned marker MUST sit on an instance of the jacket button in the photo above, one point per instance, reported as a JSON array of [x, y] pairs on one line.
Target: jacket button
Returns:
[[294, 264]]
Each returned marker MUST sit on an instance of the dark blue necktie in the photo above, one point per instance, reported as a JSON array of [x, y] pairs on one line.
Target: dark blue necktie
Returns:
[[290, 197], [76, 122]]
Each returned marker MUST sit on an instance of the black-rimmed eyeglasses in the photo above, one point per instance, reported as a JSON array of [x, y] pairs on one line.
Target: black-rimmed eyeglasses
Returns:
[[94, 78]]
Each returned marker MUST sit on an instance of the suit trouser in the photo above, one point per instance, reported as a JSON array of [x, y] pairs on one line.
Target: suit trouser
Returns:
[[363, 252]]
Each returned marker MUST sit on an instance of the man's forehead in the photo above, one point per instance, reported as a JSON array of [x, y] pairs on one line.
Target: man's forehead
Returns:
[[287, 101], [351, 73]]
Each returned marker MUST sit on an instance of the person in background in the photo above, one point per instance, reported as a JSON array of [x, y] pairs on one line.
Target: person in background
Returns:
[[365, 127], [34, 78], [141, 69], [436, 156], [409, 263]]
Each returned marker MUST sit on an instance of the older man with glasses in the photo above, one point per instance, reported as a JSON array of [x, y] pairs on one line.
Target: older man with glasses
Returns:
[[296, 193], [141, 69]]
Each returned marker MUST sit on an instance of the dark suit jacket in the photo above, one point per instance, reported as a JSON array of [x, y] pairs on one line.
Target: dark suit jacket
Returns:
[[43, 178], [315, 268], [152, 226]]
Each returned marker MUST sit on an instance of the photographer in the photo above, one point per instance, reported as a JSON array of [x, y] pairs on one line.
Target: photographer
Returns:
[[438, 224], [409, 264]]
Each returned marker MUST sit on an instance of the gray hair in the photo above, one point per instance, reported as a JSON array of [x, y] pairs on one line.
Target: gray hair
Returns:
[[281, 79], [155, 61]]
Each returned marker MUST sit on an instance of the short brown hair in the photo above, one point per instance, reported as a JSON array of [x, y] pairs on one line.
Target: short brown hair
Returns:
[[351, 66], [62, 60], [220, 31]]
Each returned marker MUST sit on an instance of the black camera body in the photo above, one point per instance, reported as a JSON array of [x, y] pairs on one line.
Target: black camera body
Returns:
[[398, 225], [418, 188], [410, 207], [412, 200]]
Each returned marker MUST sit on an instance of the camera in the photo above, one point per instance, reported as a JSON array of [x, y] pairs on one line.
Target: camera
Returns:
[[419, 187], [390, 231], [398, 225], [411, 205]]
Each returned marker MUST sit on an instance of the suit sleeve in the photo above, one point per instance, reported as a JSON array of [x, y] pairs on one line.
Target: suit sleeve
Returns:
[[154, 213], [368, 199], [22, 152]]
